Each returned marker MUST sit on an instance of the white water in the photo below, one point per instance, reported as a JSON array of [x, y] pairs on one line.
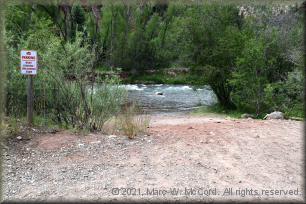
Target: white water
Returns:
[[175, 98]]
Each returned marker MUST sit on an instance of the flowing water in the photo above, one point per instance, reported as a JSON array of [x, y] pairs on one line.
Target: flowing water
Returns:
[[175, 98]]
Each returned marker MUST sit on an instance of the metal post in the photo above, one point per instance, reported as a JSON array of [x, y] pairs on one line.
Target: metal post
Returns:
[[30, 100]]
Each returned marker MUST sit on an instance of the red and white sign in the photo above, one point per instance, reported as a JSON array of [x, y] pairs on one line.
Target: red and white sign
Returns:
[[28, 62]]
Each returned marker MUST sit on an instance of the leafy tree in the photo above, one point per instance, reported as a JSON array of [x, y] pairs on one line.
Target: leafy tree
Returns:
[[210, 43], [287, 96], [78, 19], [250, 78], [263, 67]]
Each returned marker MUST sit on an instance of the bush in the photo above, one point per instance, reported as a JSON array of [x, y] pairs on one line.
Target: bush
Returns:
[[287, 96], [62, 80]]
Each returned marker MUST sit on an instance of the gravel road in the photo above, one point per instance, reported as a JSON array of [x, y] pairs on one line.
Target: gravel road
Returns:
[[181, 158]]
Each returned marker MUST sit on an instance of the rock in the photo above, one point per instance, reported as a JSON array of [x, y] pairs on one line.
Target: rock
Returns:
[[112, 136], [276, 115], [53, 131], [211, 133], [158, 93], [19, 138], [96, 142], [247, 116]]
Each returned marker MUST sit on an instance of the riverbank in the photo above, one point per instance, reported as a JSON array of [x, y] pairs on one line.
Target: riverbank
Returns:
[[162, 76]]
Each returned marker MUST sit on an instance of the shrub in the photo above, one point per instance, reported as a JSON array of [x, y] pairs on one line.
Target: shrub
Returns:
[[287, 96], [63, 72]]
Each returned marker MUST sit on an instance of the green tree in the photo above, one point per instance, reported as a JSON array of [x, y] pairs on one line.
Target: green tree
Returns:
[[250, 78], [210, 43], [78, 19]]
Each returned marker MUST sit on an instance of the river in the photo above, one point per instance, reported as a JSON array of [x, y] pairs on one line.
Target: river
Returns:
[[175, 98]]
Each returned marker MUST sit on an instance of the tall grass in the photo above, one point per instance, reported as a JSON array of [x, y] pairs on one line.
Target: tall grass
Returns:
[[15, 126], [132, 119]]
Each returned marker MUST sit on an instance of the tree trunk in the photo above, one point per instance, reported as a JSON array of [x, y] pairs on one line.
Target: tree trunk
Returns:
[[127, 20], [65, 24], [93, 30], [163, 41]]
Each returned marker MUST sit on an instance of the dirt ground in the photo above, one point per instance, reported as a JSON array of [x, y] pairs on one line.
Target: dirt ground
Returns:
[[181, 158]]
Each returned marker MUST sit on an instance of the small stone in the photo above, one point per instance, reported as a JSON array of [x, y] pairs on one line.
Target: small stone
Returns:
[[210, 118], [247, 116], [211, 133], [19, 138], [291, 178], [96, 142], [112, 136], [257, 136]]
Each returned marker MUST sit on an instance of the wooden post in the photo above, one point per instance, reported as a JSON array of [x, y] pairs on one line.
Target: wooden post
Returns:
[[30, 100]]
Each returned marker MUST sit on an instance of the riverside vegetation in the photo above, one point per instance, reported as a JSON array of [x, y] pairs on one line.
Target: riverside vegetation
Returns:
[[249, 55]]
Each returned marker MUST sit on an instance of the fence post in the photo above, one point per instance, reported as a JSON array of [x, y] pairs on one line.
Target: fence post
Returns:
[[30, 99]]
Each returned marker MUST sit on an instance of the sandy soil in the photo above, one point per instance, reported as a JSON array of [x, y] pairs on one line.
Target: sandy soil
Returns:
[[181, 158]]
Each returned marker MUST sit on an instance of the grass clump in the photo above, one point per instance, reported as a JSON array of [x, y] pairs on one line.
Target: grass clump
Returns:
[[132, 120], [15, 126], [4, 127]]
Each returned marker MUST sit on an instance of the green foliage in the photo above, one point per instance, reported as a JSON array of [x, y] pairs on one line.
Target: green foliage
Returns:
[[65, 97], [263, 67], [211, 41], [250, 78], [15, 126], [106, 101], [250, 60], [15, 84], [287, 96], [78, 19]]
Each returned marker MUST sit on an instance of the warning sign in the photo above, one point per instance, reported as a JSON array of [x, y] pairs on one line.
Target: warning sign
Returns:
[[28, 62]]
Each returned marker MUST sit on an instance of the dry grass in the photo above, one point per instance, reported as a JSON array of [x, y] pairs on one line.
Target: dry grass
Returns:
[[132, 120]]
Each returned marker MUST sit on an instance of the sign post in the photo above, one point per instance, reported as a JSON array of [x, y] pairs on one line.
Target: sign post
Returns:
[[28, 66]]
